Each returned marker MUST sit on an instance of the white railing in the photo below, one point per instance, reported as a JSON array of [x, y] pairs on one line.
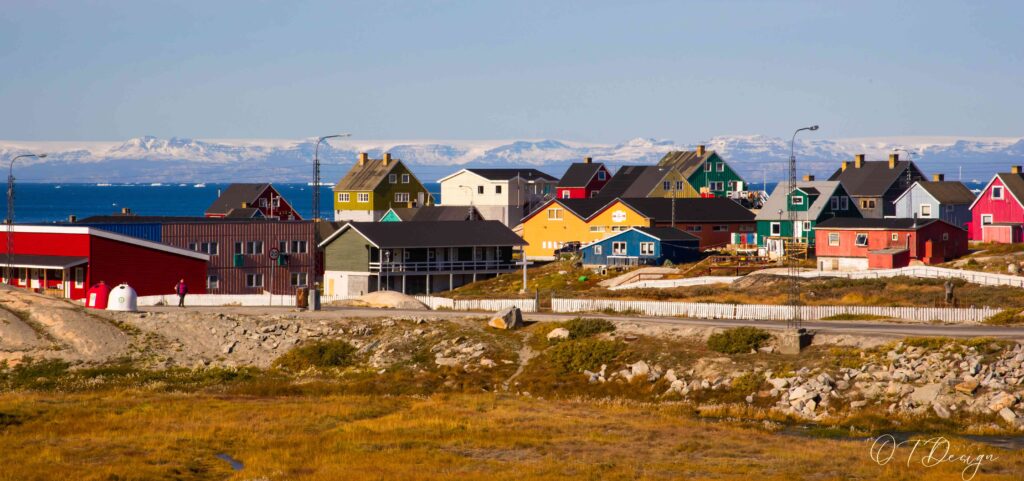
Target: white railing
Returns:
[[199, 300], [444, 266], [769, 312], [665, 283], [525, 305]]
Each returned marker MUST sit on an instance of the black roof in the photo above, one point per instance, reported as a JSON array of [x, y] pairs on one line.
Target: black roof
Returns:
[[890, 223], [509, 174], [56, 262], [437, 212], [623, 180], [234, 196], [949, 191], [667, 234], [874, 177], [579, 174], [438, 234], [717, 209]]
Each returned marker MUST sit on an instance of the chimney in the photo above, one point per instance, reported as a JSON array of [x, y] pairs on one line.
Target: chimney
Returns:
[[700, 150], [893, 158], [587, 160], [362, 158], [808, 178], [72, 218], [126, 211], [938, 177], [1015, 169], [245, 205], [846, 165], [387, 158], [858, 161]]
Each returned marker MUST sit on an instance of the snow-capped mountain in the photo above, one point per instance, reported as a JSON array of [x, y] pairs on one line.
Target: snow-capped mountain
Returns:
[[151, 159]]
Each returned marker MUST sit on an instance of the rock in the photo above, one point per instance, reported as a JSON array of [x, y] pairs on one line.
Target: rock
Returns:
[[487, 362], [797, 393], [967, 387], [640, 368], [858, 404], [507, 318], [940, 410], [924, 395], [749, 399], [447, 361], [387, 323], [229, 347], [842, 385], [779, 383], [670, 375], [1008, 415], [1002, 401], [558, 333]]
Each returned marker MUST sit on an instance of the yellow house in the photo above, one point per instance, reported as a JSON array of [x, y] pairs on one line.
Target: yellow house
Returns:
[[561, 221], [635, 181]]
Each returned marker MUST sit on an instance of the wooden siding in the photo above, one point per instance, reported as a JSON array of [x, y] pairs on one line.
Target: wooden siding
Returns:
[[917, 242], [700, 178], [1005, 210], [349, 252]]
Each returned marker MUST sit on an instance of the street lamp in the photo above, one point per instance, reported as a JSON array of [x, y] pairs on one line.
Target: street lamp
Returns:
[[10, 211], [910, 179], [794, 271], [316, 174]]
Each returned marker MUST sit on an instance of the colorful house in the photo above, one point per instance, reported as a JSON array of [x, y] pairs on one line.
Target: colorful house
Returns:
[[997, 214], [248, 201], [415, 257], [504, 195], [635, 181], [373, 186], [65, 261], [642, 246], [947, 200], [706, 171], [812, 200], [854, 244], [430, 213], [583, 180], [875, 185]]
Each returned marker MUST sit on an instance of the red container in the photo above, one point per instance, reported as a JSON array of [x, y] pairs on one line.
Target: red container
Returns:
[[96, 296]]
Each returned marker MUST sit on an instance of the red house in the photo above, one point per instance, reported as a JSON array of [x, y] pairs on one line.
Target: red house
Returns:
[[582, 180], [851, 244], [247, 201], [65, 261], [997, 214]]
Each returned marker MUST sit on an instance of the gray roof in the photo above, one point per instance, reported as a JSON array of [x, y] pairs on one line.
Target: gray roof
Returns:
[[434, 234], [579, 174], [825, 190], [436, 212], [874, 177], [633, 181], [686, 162], [888, 223], [509, 174], [716, 209], [366, 177], [668, 234], [244, 213], [1015, 183], [948, 192], [234, 196], [45, 261]]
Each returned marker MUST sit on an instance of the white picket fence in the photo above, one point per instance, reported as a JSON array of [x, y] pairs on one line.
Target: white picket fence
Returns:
[[922, 272], [699, 310], [525, 305], [200, 300]]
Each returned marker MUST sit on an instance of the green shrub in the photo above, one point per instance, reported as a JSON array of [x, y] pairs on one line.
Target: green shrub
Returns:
[[738, 340], [854, 317], [582, 327], [1005, 317], [584, 354], [319, 354], [33, 374]]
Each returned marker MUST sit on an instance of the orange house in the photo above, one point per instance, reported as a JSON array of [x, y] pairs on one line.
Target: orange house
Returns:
[[562, 221]]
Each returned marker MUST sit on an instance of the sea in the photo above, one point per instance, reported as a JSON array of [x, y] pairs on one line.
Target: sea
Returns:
[[48, 203]]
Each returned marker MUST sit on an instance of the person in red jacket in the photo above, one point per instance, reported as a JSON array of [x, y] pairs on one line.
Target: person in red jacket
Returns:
[[181, 289]]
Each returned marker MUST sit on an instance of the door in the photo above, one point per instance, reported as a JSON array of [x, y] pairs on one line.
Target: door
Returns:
[[36, 275], [798, 229], [330, 287]]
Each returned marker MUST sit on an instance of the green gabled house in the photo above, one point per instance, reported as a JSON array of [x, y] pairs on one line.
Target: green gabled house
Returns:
[[813, 201], [373, 186], [705, 170]]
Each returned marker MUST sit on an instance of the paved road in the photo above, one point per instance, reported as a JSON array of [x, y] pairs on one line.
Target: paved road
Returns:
[[884, 329]]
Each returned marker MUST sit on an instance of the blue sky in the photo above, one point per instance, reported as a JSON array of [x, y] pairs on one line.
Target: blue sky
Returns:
[[587, 71]]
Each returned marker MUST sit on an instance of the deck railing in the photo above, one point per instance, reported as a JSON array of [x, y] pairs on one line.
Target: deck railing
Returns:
[[444, 266]]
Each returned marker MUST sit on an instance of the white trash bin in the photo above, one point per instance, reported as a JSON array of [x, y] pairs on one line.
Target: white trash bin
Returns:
[[123, 298]]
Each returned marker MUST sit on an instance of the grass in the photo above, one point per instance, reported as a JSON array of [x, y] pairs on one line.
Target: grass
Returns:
[[854, 317], [558, 276], [738, 340], [320, 354], [1005, 318], [575, 356]]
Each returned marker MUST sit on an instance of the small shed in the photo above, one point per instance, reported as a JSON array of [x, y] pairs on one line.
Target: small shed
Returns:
[[891, 258], [642, 246]]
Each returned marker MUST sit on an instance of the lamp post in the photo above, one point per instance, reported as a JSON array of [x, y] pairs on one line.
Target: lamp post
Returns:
[[10, 211], [910, 179], [316, 174], [794, 271]]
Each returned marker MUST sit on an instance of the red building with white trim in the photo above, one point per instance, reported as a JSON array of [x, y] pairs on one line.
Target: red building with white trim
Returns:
[[65, 261], [582, 180], [997, 214], [248, 201], [852, 244]]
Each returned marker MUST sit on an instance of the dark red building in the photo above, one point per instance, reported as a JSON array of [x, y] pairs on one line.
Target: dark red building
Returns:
[[848, 244], [583, 180], [66, 260], [248, 201]]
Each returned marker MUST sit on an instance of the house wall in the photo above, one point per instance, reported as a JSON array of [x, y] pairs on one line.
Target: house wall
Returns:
[[712, 234], [910, 205], [283, 211], [915, 241], [381, 197], [842, 263], [888, 260], [1002, 210], [517, 197], [544, 235], [700, 178], [349, 252], [148, 271], [572, 193]]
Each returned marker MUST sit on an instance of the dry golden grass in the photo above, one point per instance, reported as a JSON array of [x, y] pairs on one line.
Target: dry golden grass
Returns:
[[142, 435]]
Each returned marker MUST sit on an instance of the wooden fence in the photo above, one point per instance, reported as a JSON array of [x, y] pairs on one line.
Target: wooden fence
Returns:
[[525, 305], [769, 312]]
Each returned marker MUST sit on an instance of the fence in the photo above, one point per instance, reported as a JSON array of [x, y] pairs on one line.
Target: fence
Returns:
[[525, 305], [195, 300], [769, 312], [664, 283]]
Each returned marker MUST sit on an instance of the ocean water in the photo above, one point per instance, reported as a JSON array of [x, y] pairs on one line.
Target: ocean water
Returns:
[[42, 203]]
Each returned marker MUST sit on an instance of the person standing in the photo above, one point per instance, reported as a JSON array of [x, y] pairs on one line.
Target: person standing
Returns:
[[181, 289]]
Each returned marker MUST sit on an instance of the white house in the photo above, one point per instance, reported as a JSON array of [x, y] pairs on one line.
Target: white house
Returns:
[[505, 195]]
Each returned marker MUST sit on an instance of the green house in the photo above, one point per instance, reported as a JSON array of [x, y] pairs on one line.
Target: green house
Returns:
[[812, 201], [373, 186], [706, 171]]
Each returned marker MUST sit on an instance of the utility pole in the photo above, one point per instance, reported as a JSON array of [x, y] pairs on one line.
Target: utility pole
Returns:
[[10, 213], [794, 269], [315, 248]]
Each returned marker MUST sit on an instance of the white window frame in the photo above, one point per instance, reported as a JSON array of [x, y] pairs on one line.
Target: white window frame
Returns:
[[923, 208], [554, 214], [720, 228], [834, 203], [945, 236], [833, 239], [857, 239], [392, 178], [344, 197], [602, 175], [401, 197], [212, 282], [479, 189], [254, 281], [999, 189], [299, 247], [254, 247], [598, 250], [796, 200], [275, 202], [895, 237], [263, 203], [666, 185], [807, 227], [775, 228], [405, 178], [846, 203], [79, 277], [619, 249], [718, 186], [707, 166], [363, 197], [986, 219], [566, 194], [298, 279], [647, 248], [720, 166]]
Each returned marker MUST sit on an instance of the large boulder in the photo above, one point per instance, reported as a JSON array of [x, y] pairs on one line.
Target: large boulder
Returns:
[[558, 333], [507, 318], [387, 300]]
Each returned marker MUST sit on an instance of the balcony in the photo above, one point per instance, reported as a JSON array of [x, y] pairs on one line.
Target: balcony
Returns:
[[437, 266]]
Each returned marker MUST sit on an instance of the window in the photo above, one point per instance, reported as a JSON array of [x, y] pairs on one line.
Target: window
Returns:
[[602, 175], [926, 210], [718, 186], [192, 246], [597, 228], [997, 192], [299, 247], [239, 248], [554, 214], [618, 248], [862, 240], [694, 228], [895, 237], [647, 248], [254, 280], [593, 194], [707, 166], [846, 203], [298, 279], [619, 228], [263, 203], [363, 197], [598, 250], [282, 247], [343, 197], [566, 194], [747, 228], [833, 203], [679, 185], [833, 239], [479, 189], [392, 178], [950, 208], [497, 189], [401, 197], [210, 248], [405, 180], [945, 236], [79, 277], [986, 219], [275, 202], [720, 166], [867, 203], [796, 200], [720, 228], [666, 185], [807, 226], [776, 228], [212, 282], [254, 247]]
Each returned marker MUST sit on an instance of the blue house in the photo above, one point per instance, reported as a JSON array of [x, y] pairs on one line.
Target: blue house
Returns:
[[642, 246], [939, 199]]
